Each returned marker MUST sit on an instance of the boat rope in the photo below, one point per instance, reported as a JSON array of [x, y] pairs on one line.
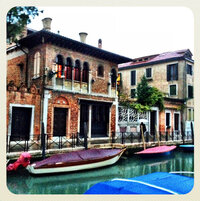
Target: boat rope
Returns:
[[147, 184], [182, 172]]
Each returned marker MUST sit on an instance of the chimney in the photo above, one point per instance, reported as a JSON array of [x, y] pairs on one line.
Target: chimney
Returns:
[[83, 36], [47, 23], [100, 43]]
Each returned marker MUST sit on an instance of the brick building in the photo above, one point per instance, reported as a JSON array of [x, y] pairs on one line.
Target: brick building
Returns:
[[172, 74], [67, 84]]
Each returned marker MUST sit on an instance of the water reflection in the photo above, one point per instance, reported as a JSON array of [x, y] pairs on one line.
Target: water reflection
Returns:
[[79, 182]]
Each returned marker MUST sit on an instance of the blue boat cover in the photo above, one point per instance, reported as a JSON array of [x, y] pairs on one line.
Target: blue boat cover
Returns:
[[187, 145], [155, 183]]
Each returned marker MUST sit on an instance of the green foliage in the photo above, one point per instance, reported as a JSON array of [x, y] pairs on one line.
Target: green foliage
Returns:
[[143, 92], [147, 97], [17, 18], [150, 96]]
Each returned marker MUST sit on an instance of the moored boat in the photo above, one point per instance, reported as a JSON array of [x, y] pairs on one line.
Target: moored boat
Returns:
[[159, 150], [75, 161], [187, 147], [154, 183]]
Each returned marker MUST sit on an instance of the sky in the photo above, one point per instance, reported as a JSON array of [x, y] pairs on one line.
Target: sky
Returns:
[[128, 31]]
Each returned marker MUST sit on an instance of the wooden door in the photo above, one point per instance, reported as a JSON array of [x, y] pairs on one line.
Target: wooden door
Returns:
[[59, 124], [84, 117], [100, 120], [176, 122], [21, 121]]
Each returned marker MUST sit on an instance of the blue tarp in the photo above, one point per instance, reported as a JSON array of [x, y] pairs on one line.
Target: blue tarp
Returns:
[[155, 183]]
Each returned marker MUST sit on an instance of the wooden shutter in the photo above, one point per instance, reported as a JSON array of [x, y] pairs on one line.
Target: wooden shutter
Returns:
[[168, 73], [176, 71], [133, 78], [190, 91]]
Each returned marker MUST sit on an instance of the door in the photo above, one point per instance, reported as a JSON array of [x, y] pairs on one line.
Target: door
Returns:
[[153, 123], [59, 124], [84, 116], [100, 120], [21, 121], [176, 122]]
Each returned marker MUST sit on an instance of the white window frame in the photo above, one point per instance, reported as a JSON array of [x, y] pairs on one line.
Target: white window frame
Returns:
[[32, 118], [151, 73], [135, 78], [130, 93], [188, 90], [192, 114], [170, 118], [36, 63], [179, 123]]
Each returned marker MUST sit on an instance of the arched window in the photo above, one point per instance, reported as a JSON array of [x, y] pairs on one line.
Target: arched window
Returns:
[[85, 72], [113, 77], [37, 64], [100, 71], [60, 66], [68, 69], [77, 70]]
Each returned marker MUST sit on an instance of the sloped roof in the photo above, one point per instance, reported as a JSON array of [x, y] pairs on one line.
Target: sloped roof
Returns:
[[44, 36], [158, 58]]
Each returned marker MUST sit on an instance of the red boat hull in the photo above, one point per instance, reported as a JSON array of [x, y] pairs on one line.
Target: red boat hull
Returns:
[[156, 150]]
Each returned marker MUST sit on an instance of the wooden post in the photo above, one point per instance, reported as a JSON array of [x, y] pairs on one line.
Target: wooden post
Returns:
[[43, 141], [143, 140], [157, 135], [192, 132], [183, 133], [85, 135]]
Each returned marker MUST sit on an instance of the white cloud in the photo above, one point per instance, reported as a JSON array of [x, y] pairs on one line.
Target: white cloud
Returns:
[[128, 31]]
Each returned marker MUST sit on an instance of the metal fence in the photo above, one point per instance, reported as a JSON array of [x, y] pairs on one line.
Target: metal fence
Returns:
[[59, 142], [136, 137]]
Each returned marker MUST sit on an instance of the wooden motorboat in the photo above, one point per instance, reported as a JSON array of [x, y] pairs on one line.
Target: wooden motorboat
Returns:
[[158, 150], [75, 161], [154, 183]]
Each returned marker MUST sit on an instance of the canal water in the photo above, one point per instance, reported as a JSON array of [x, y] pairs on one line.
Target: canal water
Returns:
[[21, 182]]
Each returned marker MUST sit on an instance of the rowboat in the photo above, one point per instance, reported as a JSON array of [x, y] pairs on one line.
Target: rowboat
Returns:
[[159, 150], [187, 147], [154, 183], [75, 161]]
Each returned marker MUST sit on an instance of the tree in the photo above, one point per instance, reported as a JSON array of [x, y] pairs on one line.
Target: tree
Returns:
[[149, 96], [143, 92], [18, 18], [146, 96]]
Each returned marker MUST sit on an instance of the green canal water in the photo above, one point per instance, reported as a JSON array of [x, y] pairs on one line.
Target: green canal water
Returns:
[[21, 182]]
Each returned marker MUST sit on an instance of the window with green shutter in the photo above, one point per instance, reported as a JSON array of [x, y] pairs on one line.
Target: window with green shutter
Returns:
[[172, 72], [172, 90], [133, 93], [133, 78], [148, 73], [190, 91], [189, 69]]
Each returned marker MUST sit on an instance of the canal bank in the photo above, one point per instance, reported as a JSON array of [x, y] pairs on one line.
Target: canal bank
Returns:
[[130, 148]]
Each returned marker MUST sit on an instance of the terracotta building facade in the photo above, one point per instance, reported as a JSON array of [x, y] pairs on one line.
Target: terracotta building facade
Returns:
[[68, 85]]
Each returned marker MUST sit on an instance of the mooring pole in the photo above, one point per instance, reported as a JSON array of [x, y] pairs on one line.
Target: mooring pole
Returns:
[[192, 133], [143, 140], [43, 141], [85, 135]]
